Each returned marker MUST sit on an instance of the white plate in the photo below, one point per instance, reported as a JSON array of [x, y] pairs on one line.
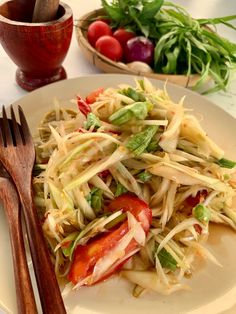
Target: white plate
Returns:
[[213, 288]]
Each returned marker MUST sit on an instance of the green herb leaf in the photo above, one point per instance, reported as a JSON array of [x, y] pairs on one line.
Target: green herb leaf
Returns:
[[144, 176], [136, 15], [202, 213], [138, 110], [150, 9], [92, 121], [120, 189], [139, 142], [219, 20], [95, 199], [226, 163], [114, 11], [171, 57], [167, 260]]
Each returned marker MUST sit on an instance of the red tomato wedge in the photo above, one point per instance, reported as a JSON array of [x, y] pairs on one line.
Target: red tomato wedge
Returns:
[[137, 207], [92, 97], [86, 257]]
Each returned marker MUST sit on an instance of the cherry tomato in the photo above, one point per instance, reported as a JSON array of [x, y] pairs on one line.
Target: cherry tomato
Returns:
[[92, 97], [96, 30], [86, 257], [83, 105], [123, 36], [109, 47]]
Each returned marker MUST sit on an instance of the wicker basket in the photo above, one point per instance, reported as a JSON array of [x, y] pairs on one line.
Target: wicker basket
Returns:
[[109, 66]]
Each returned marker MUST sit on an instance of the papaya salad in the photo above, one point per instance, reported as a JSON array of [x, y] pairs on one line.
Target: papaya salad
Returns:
[[127, 183]]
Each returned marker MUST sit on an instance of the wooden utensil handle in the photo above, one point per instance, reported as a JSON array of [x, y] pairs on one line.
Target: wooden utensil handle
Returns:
[[50, 295], [45, 10], [24, 291]]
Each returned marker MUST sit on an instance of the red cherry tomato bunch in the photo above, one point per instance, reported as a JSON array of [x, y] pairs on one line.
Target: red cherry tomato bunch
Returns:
[[110, 44], [120, 44]]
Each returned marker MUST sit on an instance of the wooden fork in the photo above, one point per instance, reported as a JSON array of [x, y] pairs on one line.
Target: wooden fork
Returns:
[[24, 291], [17, 154]]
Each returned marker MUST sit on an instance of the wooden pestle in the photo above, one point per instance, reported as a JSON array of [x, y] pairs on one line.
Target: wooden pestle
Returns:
[[45, 10]]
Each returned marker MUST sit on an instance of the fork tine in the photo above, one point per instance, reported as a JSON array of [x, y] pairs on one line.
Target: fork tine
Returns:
[[24, 126], [15, 127], [6, 130]]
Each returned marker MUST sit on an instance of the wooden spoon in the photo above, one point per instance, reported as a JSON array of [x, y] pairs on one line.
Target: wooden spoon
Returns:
[[24, 291], [45, 10]]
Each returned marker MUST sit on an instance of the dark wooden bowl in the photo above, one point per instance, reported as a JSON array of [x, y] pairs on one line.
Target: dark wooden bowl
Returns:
[[38, 49]]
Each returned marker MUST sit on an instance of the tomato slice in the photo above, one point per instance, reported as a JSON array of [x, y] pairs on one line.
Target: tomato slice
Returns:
[[92, 97], [86, 257], [137, 207]]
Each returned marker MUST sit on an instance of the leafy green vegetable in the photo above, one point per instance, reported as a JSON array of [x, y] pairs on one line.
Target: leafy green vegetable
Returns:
[[183, 45], [92, 121], [134, 15], [115, 11], [95, 199], [139, 142], [138, 110], [167, 260], [226, 163], [218, 20], [132, 93], [120, 189], [144, 176], [202, 213]]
